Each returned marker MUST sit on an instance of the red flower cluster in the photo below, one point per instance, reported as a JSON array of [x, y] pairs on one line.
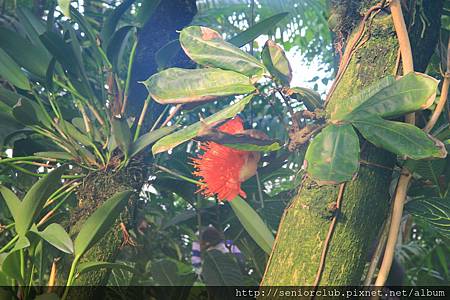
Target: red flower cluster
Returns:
[[222, 169]]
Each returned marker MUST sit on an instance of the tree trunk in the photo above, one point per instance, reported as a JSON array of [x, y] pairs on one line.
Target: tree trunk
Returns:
[[296, 255], [97, 187]]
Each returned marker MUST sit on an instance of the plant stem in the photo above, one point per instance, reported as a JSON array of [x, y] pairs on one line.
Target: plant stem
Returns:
[[71, 276], [142, 117], [9, 244], [178, 175]]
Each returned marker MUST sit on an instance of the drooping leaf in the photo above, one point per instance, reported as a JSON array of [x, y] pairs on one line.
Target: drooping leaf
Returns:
[[220, 269], [310, 98], [55, 155], [35, 199], [56, 236], [185, 134], [90, 266], [344, 108], [149, 138], [412, 92], [256, 30], [122, 133], [10, 71], [110, 25], [435, 211], [11, 266], [24, 53], [117, 45], [333, 155], [276, 62], [253, 224], [177, 85], [64, 5], [12, 201], [399, 138], [100, 222], [29, 112], [206, 47]]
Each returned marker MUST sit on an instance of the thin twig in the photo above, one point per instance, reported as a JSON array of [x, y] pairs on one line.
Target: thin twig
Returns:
[[172, 114]]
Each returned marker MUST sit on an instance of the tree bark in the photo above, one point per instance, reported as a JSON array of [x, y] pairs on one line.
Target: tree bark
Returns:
[[301, 236], [97, 187]]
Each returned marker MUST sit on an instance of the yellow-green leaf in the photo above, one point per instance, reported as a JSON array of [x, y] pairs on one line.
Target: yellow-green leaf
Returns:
[[276, 62]]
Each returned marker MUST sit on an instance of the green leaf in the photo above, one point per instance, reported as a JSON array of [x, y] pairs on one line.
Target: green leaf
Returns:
[[276, 62], [256, 30], [122, 133], [11, 266], [35, 199], [435, 211], [74, 133], [344, 108], [310, 98], [263, 146], [55, 155], [206, 47], [90, 266], [110, 24], [165, 272], [333, 155], [177, 85], [10, 71], [31, 57], [399, 138], [64, 5], [412, 92], [29, 112], [56, 236], [22, 243], [193, 130], [117, 45], [12, 201], [220, 269], [253, 224], [100, 222], [10, 98], [149, 138], [427, 169]]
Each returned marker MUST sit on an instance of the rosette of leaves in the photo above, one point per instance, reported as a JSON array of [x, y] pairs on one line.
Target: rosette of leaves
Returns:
[[333, 155], [225, 70]]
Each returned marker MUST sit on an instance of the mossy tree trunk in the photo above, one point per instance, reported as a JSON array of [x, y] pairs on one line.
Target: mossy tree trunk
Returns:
[[302, 233], [170, 17]]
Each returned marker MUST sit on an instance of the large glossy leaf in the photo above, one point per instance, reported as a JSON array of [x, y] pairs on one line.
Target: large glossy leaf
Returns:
[[344, 108], [109, 27], [399, 138], [35, 199], [206, 47], [333, 155], [276, 62], [11, 266], [56, 236], [253, 224], [256, 30], [149, 138], [100, 222], [177, 85], [310, 98], [412, 92], [220, 269], [191, 131], [10, 71], [435, 211], [27, 55]]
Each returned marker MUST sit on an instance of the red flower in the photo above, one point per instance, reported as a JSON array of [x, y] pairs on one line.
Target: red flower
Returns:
[[222, 169]]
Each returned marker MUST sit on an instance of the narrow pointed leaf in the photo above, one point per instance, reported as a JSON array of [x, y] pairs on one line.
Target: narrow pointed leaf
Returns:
[[185, 134], [220, 269], [435, 211], [333, 155], [177, 85], [56, 236], [55, 155], [276, 62], [100, 222], [206, 47], [22, 243], [166, 53], [256, 30], [35, 199], [399, 138], [310, 98], [11, 72], [253, 224], [110, 25], [149, 138], [122, 133], [29, 112], [12, 201], [118, 43]]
